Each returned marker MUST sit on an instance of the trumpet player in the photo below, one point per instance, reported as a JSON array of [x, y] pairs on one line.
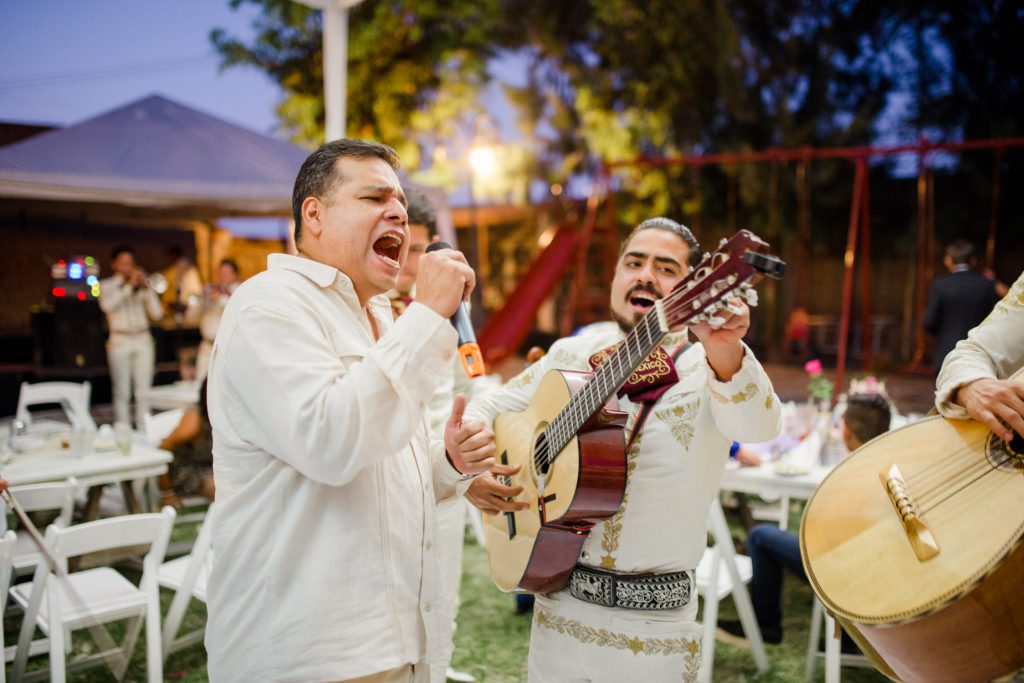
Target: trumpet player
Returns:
[[131, 305], [215, 298]]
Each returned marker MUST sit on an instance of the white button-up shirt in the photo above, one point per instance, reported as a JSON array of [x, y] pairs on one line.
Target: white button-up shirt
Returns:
[[675, 464], [326, 479], [128, 310]]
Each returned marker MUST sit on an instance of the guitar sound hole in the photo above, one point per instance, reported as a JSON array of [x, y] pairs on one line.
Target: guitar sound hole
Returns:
[[1006, 454]]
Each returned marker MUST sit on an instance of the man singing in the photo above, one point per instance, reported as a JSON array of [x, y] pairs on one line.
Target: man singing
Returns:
[[325, 471]]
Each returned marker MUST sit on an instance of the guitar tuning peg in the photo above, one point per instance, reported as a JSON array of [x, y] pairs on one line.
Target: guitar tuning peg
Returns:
[[722, 242], [750, 295], [715, 322]]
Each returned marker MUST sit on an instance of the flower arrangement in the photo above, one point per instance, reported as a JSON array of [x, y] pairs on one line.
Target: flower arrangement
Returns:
[[869, 385], [818, 385]]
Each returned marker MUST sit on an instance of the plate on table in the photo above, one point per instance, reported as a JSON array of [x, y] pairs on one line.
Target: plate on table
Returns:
[[790, 469]]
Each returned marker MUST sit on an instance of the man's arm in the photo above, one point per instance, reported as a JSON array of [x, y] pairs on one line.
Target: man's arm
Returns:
[[327, 419], [973, 381]]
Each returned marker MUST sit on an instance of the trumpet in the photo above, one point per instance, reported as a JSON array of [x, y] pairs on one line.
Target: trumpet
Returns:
[[155, 281]]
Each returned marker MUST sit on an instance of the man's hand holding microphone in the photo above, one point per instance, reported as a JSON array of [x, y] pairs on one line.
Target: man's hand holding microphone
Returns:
[[443, 283]]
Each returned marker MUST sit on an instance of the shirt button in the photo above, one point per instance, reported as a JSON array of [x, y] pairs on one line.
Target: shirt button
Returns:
[[426, 607], [429, 545], [447, 355], [584, 555]]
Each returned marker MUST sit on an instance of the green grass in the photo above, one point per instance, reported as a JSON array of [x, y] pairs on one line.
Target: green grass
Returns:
[[492, 640]]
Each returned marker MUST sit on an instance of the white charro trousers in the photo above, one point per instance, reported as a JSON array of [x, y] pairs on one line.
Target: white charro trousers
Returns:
[[451, 529], [572, 641], [131, 361]]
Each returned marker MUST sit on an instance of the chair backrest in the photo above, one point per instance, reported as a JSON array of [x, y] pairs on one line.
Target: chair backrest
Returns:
[[158, 425], [152, 529], [55, 496], [73, 397]]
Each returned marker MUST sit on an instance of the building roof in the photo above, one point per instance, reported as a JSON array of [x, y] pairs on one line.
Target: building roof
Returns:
[[159, 154]]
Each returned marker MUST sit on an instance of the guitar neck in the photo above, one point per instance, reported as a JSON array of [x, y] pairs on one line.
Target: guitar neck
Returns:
[[607, 379]]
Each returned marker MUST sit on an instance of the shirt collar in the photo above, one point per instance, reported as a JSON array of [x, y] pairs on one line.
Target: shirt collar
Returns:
[[320, 273]]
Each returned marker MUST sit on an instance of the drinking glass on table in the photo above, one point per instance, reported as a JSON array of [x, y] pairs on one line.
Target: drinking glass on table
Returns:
[[123, 437]]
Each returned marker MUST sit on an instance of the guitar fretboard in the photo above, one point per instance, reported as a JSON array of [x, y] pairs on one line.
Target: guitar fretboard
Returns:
[[607, 379]]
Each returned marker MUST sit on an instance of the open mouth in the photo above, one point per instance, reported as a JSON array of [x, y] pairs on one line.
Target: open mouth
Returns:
[[389, 247], [642, 301]]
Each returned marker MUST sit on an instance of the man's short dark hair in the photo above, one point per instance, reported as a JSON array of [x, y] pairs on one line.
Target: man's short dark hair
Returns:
[[421, 210], [960, 252], [120, 249], [319, 173], [668, 225], [867, 416], [230, 262]]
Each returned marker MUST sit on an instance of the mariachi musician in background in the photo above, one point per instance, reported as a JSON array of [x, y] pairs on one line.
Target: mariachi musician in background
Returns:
[[685, 404], [129, 300]]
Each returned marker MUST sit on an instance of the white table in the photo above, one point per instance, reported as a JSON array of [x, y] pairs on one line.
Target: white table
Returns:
[[765, 480], [168, 396], [50, 462]]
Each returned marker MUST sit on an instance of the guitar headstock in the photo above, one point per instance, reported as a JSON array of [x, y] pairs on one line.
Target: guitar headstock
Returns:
[[732, 270]]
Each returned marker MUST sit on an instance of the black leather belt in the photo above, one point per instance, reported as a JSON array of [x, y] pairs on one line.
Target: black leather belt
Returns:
[[631, 591]]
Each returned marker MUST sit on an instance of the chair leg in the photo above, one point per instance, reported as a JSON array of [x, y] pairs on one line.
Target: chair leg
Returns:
[[131, 636], [154, 657], [28, 623], [710, 618], [817, 617], [833, 654]]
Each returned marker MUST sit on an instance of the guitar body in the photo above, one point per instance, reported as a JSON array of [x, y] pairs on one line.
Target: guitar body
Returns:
[[536, 549], [937, 593]]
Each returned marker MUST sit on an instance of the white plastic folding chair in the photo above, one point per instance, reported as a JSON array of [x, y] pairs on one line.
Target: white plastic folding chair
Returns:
[[59, 603], [41, 498], [73, 397], [7, 545], [832, 654], [722, 572], [156, 426], [186, 576]]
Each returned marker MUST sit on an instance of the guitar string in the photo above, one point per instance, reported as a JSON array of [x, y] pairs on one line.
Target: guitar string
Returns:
[[951, 469], [978, 478], [938, 470], [956, 478]]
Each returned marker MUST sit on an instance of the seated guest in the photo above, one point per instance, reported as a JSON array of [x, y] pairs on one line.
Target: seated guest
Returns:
[[191, 471], [772, 549]]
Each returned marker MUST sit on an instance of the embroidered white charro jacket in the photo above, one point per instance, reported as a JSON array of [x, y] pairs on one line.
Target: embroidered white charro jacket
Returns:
[[675, 465], [993, 349], [326, 479]]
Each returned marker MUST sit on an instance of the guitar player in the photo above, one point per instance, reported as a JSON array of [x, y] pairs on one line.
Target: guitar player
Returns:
[[973, 381], [714, 392]]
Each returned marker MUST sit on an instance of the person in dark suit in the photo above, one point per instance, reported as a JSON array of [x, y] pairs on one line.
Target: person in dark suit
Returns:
[[958, 301]]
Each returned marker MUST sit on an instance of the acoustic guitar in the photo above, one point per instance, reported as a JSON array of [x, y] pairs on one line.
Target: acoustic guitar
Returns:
[[914, 543], [570, 440]]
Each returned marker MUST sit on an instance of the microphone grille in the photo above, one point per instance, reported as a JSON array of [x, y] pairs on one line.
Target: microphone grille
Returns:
[[434, 246]]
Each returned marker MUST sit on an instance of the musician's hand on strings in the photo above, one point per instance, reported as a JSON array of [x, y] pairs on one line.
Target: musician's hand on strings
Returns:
[[995, 402], [490, 496], [722, 342], [469, 443]]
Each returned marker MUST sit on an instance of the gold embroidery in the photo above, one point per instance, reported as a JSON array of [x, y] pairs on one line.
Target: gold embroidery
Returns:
[[654, 368], [691, 666], [688, 647], [680, 420], [744, 395], [524, 378], [568, 361], [1014, 299], [613, 525], [769, 401]]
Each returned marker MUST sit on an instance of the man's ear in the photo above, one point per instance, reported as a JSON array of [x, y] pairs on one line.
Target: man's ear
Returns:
[[312, 214]]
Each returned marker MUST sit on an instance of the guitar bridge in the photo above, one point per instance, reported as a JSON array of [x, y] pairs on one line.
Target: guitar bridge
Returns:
[[918, 533]]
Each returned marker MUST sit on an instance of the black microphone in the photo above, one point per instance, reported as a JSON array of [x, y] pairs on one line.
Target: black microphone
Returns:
[[469, 350]]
